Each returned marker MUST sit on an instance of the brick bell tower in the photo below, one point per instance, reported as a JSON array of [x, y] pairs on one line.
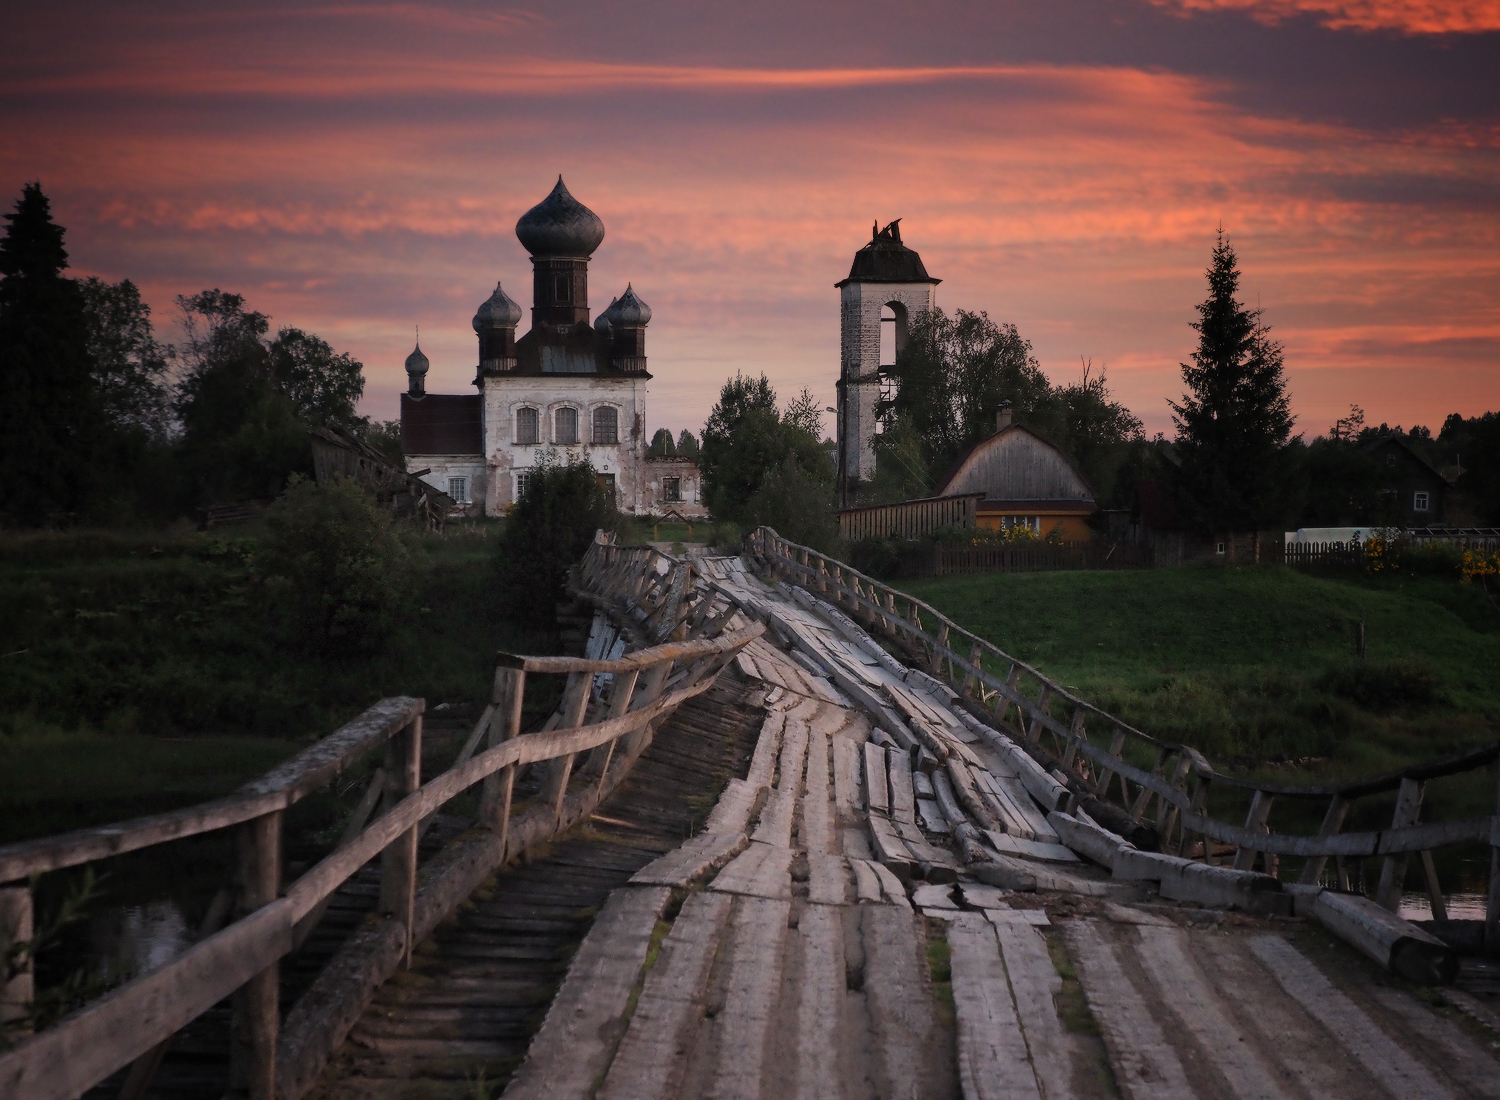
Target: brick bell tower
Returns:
[[885, 275]]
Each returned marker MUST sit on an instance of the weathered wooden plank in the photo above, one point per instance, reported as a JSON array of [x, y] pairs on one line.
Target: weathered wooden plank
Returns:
[[820, 991], [753, 981], [816, 833], [1030, 849], [775, 825], [993, 1062], [903, 798], [1164, 955], [931, 816], [572, 1050], [866, 881], [877, 793], [653, 1055], [732, 812], [761, 870], [1394, 943], [890, 885], [640, 659], [1398, 1072], [702, 855], [1146, 1066], [898, 994], [1445, 1040], [767, 748], [890, 849], [828, 879]]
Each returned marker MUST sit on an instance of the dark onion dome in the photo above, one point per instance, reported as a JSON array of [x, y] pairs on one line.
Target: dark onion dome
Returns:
[[629, 310], [560, 225], [416, 362], [886, 260], [602, 322], [498, 311]]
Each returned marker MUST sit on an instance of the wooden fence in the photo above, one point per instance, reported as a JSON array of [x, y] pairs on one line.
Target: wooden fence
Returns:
[[910, 519], [1165, 803], [587, 747]]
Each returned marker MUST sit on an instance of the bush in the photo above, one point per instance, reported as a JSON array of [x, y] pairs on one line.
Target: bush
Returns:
[[798, 506], [725, 537], [1384, 685], [549, 530], [336, 565]]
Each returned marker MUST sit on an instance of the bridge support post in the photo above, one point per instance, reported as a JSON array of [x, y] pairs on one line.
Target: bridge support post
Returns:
[[257, 1016], [1255, 822], [398, 863], [1393, 869], [16, 927], [495, 799], [1333, 820]]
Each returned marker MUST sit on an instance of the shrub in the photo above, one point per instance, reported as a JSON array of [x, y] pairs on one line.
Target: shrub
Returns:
[[725, 537], [1383, 685], [339, 572], [797, 505], [550, 529]]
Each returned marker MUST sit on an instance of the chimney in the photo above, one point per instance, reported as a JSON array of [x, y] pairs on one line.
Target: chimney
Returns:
[[1002, 416]]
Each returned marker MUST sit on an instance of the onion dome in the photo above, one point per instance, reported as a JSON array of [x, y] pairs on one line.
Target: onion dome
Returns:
[[629, 310], [416, 362], [498, 311], [560, 225], [606, 316]]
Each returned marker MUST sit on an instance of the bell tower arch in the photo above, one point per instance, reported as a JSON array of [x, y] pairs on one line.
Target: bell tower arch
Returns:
[[887, 287]]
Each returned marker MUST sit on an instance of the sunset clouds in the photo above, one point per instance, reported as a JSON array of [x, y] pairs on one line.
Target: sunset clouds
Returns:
[[358, 170]]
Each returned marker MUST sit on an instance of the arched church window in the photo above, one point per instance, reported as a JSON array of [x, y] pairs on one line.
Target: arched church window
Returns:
[[527, 429], [565, 426], [606, 425]]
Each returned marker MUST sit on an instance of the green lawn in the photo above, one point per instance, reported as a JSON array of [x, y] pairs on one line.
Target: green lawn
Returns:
[[1256, 667], [144, 672]]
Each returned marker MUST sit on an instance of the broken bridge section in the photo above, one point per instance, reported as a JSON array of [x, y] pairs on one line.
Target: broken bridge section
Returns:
[[859, 918]]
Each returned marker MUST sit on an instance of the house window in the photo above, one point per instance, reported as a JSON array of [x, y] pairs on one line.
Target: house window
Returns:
[[1030, 523], [458, 489], [606, 425], [606, 485], [1219, 548], [565, 428], [523, 479], [1419, 502], [526, 427], [1390, 460], [671, 490]]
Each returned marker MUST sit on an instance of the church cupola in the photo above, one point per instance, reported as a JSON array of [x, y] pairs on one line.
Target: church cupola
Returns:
[[416, 372], [495, 324], [561, 234], [628, 318]]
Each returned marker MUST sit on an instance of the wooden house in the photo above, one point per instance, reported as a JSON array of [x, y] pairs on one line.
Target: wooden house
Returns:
[[1023, 480], [1413, 492]]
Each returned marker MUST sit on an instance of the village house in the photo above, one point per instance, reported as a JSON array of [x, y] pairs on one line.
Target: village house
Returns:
[[565, 391]]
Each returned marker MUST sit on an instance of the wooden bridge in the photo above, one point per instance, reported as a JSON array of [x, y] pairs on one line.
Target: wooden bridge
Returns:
[[786, 831]]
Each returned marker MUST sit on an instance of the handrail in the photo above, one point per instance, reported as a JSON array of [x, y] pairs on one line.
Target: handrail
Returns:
[[648, 685], [279, 788], [1181, 779]]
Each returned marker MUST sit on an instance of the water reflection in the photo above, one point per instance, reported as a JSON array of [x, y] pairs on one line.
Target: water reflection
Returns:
[[132, 939], [1417, 906]]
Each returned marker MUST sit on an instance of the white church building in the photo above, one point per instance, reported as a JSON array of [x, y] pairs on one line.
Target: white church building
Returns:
[[567, 389]]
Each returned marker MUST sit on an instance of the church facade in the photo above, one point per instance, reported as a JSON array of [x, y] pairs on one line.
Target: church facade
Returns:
[[567, 390]]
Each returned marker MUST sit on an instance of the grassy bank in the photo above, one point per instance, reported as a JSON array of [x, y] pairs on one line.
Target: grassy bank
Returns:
[[144, 672], [1256, 667]]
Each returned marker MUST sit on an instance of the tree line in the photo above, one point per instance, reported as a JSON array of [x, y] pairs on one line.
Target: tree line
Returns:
[[104, 423]]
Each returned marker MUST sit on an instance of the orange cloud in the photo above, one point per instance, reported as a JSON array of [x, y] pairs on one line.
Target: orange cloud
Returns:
[[1407, 16]]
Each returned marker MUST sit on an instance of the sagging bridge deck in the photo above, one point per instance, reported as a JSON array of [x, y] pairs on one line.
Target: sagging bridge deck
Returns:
[[893, 886]]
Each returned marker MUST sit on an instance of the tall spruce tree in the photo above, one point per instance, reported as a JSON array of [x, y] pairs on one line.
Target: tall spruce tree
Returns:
[[1234, 423], [49, 418]]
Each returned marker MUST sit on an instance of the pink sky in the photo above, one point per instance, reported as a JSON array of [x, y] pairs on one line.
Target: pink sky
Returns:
[[357, 170]]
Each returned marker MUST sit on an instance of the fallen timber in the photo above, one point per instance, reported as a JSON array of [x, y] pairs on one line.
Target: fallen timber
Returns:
[[1085, 746], [242, 958]]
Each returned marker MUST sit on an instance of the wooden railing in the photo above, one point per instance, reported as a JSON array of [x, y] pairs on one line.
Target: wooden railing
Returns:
[[1163, 798], [585, 748]]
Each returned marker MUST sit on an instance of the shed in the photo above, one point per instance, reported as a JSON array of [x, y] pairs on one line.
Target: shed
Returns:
[[1023, 480]]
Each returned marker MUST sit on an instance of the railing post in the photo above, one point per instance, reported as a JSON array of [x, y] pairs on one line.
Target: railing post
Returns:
[[648, 690], [16, 927], [1034, 734], [1255, 821], [398, 863], [257, 1018], [1333, 821], [505, 723], [1492, 906], [1116, 746], [1393, 870], [936, 660], [575, 703], [619, 702]]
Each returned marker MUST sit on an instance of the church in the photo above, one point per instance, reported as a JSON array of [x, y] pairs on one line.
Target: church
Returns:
[[568, 387]]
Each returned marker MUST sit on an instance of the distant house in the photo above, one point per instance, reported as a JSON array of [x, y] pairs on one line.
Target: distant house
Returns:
[[1024, 481], [673, 487], [1413, 491]]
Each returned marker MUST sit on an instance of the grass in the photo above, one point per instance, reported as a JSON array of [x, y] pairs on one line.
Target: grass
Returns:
[[145, 671], [1256, 667]]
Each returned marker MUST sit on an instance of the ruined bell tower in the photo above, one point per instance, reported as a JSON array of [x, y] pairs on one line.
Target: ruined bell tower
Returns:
[[886, 276]]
